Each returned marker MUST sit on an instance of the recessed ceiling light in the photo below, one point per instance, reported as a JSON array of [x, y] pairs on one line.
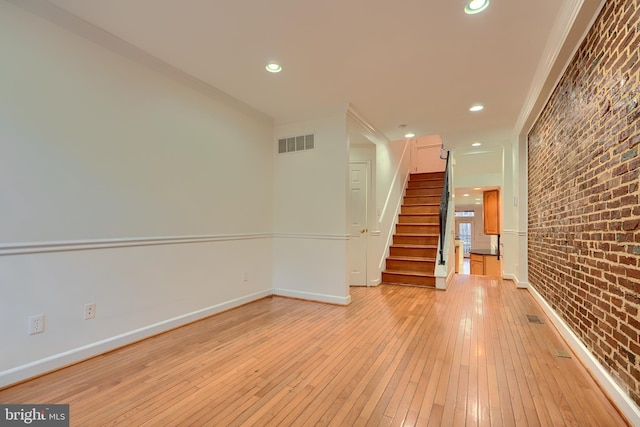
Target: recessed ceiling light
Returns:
[[476, 144], [476, 6], [476, 188], [466, 195], [409, 135], [476, 107], [273, 67]]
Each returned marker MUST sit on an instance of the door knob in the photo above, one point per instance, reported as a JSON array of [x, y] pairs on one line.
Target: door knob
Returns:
[[363, 230]]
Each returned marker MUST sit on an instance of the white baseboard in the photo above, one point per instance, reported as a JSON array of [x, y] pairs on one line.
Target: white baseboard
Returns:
[[443, 282], [522, 285], [621, 399], [60, 360], [509, 276], [514, 278], [310, 296]]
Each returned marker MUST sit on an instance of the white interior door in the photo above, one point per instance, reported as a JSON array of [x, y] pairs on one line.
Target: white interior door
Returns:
[[358, 177]]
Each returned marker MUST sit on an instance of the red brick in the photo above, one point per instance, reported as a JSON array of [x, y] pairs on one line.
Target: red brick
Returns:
[[631, 225], [616, 301], [634, 323], [628, 331], [620, 338]]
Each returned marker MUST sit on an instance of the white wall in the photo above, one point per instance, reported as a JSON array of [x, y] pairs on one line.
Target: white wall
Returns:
[[310, 212], [511, 223], [393, 161], [124, 187], [425, 154], [478, 168]]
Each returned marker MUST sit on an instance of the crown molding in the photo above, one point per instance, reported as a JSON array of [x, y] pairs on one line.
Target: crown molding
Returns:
[[365, 127]]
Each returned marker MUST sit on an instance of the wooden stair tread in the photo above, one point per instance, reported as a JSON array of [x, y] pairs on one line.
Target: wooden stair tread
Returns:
[[426, 286], [417, 234], [410, 273], [409, 246], [420, 177], [411, 258], [417, 204]]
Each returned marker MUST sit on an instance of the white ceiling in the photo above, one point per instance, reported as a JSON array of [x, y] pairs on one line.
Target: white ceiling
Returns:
[[416, 62]]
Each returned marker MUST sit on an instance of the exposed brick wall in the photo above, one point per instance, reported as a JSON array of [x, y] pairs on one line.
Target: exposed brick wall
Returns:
[[584, 218]]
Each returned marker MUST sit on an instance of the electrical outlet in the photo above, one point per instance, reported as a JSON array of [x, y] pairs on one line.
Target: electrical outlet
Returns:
[[36, 324], [89, 311]]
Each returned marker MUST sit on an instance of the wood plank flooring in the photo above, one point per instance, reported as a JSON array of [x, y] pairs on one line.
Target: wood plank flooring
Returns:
[[396, 356]]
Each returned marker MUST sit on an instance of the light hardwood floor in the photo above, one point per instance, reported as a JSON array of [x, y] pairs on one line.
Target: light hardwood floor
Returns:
[[396, 356]]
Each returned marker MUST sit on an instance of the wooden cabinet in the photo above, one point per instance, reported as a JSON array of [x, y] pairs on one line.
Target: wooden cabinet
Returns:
[[492, 266], [491, 210], [477, 264], [487, 265]]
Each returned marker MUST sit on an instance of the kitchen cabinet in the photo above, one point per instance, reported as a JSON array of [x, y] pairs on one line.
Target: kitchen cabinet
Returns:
[[477, 264], [492, 266], [484, 262], [491, 211]]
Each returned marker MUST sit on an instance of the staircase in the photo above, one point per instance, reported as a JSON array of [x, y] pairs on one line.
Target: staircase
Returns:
[[412, 256]]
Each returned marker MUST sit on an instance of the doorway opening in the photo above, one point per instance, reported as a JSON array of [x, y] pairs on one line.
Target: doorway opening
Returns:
[[464, 233], [464, 229]]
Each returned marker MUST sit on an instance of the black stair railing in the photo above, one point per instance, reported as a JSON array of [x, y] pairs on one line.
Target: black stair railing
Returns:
[[444, 204]]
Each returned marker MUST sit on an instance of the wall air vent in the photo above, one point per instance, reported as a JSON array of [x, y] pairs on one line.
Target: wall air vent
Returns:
[[295, 143]]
